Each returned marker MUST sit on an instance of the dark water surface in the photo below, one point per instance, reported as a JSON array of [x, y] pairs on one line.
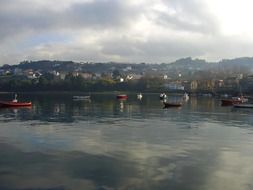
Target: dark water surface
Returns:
[[123, 145]]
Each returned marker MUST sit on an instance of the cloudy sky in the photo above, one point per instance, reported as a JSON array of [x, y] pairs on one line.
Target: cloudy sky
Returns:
[[152, 31]]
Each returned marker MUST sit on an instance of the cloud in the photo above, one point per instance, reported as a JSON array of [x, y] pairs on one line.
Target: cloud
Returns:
[[187, 15], [114, 30], [98, 14]]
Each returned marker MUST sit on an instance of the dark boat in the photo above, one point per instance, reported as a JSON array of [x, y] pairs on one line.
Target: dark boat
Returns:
[[170, 105], [5, 104], [122, 97], [233, 101]]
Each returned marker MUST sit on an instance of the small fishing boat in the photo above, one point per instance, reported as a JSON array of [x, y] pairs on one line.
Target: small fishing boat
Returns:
[[122, 97], [14, 103], [233, 101], [243, 106], [171, 104]]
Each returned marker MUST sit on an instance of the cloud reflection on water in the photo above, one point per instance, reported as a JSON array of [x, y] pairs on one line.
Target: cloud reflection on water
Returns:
[[158, 149]]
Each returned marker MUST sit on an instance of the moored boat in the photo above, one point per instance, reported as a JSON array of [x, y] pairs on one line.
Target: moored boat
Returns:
[[122, 97], [81, 97], [163, 96], [170, 104], [233, 101], [139, 96], [14, 104], [185, 97]]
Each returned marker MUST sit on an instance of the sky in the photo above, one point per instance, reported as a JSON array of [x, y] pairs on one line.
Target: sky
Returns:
[[151, 31]]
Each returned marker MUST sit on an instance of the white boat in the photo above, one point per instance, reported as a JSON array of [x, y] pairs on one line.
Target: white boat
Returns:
[[186, 97], [81, 97], [163, 96], [139, 96]]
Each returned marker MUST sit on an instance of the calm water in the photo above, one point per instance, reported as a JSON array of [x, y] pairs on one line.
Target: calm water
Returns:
[[131, 145]]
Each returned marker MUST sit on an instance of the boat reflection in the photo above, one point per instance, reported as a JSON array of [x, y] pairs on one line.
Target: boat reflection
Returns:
[[121, 106]]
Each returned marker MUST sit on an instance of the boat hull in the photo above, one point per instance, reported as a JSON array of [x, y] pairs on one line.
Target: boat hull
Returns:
[[233, 101], [81, 97], [228, 102], [171, 105], [122, 97], [243, 106], [15, 104]]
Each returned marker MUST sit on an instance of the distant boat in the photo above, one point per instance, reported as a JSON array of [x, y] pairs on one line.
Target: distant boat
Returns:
[[122, 97], [243, 106], [233, 101], [186, 97], [139, 96], [14, 103], [163, 96], [170, 104], [81, 97]]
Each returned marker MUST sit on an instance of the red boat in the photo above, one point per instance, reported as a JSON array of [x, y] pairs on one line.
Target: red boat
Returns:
[[122, 97], [14, 104], [233, 101]]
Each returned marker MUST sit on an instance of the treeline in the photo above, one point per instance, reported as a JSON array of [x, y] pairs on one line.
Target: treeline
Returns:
[[50, 82]]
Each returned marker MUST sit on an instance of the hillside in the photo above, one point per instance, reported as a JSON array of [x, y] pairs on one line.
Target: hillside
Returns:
[[186, 66]]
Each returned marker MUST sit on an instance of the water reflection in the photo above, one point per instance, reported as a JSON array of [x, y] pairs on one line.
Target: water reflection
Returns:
[[132, 144], [103, 107], [121, 104]]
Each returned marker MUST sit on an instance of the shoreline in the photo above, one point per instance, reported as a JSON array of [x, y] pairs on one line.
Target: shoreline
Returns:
[[121, 92]]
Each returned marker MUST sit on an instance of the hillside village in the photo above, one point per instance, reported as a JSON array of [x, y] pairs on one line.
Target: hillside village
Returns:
[[191, 75]]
